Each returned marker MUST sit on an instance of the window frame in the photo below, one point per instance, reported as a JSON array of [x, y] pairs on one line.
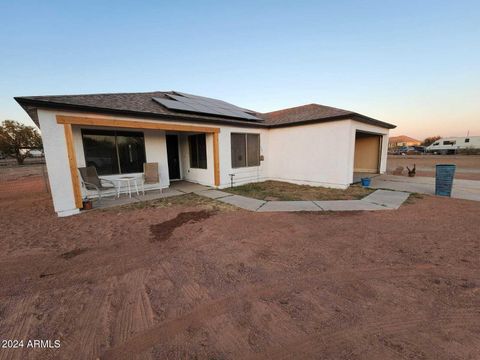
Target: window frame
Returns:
[[198, 158], [115, 134], [245, 137]]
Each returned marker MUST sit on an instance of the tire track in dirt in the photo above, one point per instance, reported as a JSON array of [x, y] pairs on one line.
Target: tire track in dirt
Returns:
[[133, 313], [195, 318], [22, 322], [388, 325], [89, 334]]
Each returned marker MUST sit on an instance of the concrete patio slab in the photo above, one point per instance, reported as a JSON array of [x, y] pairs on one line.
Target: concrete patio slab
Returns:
[[289, 206], [213, 194], [187, 187], [390, 199], [242, 202], [349, 205], [155, 194]]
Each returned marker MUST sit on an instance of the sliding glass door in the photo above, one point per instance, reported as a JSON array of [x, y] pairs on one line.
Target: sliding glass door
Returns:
[[114, 152]]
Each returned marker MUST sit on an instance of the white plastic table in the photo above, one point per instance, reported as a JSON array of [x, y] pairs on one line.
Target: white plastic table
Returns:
[[126, 181]]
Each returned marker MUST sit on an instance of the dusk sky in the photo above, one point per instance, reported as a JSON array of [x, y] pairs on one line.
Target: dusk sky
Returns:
[[412, 63]]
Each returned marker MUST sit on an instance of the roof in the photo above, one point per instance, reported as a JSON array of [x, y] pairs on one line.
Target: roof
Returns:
[[402, 138], [143, 105]]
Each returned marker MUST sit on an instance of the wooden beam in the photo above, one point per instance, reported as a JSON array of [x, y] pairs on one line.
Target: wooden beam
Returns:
[[72, 162], [216, 159], [133, 124]]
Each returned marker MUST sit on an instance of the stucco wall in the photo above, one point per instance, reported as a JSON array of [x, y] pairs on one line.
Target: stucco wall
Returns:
[[55, 148], [316, 154], [245, 174]]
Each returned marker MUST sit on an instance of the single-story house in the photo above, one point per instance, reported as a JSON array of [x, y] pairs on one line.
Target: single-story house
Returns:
[[200, 140]]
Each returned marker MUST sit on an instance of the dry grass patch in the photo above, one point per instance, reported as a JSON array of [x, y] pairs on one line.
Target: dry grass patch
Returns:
[[180, 200], [277, 190]]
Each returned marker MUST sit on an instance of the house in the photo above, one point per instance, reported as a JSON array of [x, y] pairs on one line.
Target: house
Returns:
[[402, 140], [201, 140], [450, 145]]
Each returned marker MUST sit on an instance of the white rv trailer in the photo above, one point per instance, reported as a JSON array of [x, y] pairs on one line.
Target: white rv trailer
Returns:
[[450, 145]]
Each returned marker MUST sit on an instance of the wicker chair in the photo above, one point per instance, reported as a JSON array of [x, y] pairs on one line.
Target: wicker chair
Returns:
[[151, 175], [91, 181]]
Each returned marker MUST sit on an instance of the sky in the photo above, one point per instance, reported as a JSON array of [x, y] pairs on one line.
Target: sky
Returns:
[[412, 63]]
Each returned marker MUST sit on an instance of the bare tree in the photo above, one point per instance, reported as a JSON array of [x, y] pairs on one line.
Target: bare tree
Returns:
[[430, 140], [18, 139]]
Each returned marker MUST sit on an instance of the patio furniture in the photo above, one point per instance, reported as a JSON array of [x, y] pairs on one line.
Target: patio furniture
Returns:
[[90, 181], [151, 175], [127, 180]]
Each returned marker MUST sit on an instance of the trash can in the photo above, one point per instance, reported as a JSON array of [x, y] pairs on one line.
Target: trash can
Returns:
[[444, 179], [365, 181]]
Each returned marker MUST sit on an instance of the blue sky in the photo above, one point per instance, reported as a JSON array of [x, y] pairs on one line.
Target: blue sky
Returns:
[[412, 63]]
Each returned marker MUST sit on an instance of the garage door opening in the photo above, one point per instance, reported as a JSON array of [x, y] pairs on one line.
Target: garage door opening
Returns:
[[367, 155]]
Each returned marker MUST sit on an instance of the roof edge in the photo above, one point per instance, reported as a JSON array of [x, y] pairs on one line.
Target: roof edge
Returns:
[[25, 102], [354, 116]]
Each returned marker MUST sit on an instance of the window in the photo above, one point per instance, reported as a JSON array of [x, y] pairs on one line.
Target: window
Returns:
[[198, 151], [436, 144], [114, 152], [467, 140], [245, 150], [448, 142]]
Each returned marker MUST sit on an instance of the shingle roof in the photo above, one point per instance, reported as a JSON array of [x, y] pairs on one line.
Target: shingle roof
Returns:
[[303, 113], [143, 105]]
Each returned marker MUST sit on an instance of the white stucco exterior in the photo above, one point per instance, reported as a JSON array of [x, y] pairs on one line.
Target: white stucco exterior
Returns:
[[320, 154]]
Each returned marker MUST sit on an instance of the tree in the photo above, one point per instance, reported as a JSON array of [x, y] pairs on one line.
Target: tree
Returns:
[[18, 139], [430, 140]]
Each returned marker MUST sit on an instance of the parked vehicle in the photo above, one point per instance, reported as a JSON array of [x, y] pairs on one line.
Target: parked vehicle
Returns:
[[35, 153], [451, 145], [409, 150]]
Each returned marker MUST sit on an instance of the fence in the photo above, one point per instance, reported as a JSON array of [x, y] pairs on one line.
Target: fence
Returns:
[[30, 177]]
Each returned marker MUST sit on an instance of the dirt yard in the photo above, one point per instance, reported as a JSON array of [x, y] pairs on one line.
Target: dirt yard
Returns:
[[468, 166], [185, 279]]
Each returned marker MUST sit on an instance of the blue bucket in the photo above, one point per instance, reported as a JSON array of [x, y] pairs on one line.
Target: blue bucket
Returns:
[[366, 181], [444, 179]]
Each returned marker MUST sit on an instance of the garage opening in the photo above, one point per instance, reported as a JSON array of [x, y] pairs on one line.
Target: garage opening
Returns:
[[367, 154]]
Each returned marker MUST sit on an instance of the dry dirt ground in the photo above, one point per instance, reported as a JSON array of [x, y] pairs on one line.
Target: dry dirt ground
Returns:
[[468, 166], [179, 281]]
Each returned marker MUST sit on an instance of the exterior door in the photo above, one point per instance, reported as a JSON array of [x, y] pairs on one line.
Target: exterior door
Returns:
[[173, 157]]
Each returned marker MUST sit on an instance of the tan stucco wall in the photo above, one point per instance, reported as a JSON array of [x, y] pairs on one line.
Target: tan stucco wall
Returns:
[[367, 154]]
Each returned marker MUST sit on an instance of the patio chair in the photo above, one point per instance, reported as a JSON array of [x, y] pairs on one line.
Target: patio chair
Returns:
[[151, 175], [91, 181]]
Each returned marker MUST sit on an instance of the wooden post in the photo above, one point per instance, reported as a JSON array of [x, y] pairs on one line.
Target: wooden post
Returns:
[[72, 162], [216, 159]]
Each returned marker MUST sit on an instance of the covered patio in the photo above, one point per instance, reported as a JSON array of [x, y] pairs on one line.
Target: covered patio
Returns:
[[118, 149]]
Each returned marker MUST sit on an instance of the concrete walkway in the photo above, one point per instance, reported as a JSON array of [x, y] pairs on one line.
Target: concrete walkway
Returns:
[[462, 189], [378, 200]]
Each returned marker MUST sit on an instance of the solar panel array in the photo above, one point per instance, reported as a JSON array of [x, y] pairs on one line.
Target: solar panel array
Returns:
[[199, 104]]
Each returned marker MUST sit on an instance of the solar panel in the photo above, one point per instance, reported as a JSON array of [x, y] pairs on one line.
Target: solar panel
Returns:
[[199, 104]]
